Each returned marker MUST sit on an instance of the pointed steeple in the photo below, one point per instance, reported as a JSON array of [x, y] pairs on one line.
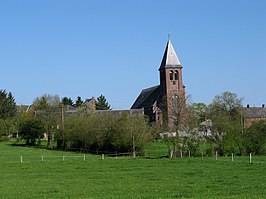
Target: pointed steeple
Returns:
[[170, 58]]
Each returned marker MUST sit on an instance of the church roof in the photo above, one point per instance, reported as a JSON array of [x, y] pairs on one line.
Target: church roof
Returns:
[[147, 97], [170, 58]]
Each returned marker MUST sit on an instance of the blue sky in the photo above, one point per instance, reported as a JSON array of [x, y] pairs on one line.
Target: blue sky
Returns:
[[88, 48]]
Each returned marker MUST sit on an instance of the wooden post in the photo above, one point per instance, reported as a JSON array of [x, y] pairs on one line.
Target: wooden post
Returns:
[[21, 159], [232, 157], [171, 154], [42, 158], [63, 124], [216, 155], [189, 153], [63, 158], [181, 153], [250, 158], [102, 156], [84, 157], [133, 143]]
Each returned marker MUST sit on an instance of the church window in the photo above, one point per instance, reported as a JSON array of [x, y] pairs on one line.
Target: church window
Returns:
[[176, 75], [171, 75]]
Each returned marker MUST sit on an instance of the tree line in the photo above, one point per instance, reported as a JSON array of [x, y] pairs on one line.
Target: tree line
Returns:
[[206, 128], [217, 127]]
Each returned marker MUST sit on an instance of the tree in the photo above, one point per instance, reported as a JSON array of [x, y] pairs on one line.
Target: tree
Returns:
[[198, 113], [227, 105], [79, 102], [225, 112], [102, 132], [67, 101], [8, 110], [8, 107], [48, 110], [175, 121], [31, 129], [102, 103], [255, 138]]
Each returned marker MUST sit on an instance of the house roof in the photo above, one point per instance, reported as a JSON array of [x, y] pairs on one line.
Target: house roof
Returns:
[[89, 100], [121, 112], [147, 97], [70, 108], [254, 112], [170, 58]]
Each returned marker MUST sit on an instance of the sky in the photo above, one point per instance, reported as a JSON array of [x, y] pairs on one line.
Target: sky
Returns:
[[87, 48]]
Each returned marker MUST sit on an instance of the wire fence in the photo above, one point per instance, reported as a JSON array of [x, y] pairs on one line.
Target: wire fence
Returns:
[[61, 158], [85, 157]]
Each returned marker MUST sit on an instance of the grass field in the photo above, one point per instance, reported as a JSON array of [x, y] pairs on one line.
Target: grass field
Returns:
[[124, 177]]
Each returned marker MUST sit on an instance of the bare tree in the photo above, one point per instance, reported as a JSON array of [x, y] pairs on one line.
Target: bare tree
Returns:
[[48, 110], [175, 119]]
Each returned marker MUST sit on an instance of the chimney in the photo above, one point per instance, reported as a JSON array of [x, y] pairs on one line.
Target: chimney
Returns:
[[263, 106], [248, 106]]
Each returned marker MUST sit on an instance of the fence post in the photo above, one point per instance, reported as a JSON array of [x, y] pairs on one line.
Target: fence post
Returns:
[[63, 158], [171, 154], [102, 156], [181, 154], [250, 158], [42, 158], [84, 157], [21, 159], [189, 153], [216, 155], [232, 157]]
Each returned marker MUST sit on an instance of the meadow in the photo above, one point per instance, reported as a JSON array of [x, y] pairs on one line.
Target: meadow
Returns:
[[44, 174]]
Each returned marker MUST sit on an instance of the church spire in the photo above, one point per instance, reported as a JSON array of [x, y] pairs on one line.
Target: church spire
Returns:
[[170, 58]]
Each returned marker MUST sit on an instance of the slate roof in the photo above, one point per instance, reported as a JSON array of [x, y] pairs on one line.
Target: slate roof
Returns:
[[147, 97], [89, 100], [170, 58], [254, 112], [121, 112], [70, 108]]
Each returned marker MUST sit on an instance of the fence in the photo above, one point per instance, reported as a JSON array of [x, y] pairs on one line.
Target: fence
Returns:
[[188, 155], [85, 157], [61, 158]]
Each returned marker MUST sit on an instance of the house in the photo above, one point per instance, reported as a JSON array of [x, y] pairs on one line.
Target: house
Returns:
[[165, 103], [251, 115]]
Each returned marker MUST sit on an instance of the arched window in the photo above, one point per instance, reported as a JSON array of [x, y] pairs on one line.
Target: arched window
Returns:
[[171, 75], [176, 75]]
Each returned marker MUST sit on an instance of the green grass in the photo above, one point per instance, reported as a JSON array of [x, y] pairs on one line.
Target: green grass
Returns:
[[124, 177]]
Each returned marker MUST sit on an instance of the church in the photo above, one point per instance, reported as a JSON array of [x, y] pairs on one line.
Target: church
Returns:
[[165, 104]]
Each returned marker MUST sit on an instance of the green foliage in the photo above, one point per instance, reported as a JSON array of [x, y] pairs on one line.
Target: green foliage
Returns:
[[102, 103], [8, 126], [8, 111], [79, 102], [99, 132], [8, 107], [67, 101], [198, 112], [48, 110], [225, 112], [206, 148], [232, 141], [255, 138], [226, 105], [190, 143], [31, 129]]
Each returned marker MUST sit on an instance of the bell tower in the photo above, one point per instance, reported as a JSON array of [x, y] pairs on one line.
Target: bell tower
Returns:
[[173, 101]]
